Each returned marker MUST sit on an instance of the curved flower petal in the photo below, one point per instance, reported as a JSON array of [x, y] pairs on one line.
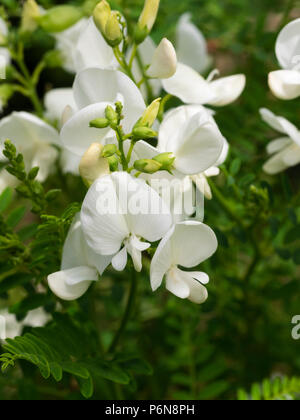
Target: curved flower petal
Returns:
[[164, 62], [56, 101], [176, 283], [191, 45], [278, 144], [276, 164], [285, 84], [281, 124], [288, 45], [77, 135], [192, 243], [66, 42], [189, 86], [227, 89], [161, 261], [73, 283], [198, 147], [44, 157], [119, 261], [94, 85], [198, 293], [26, 130], [291, 156], [92, 50]]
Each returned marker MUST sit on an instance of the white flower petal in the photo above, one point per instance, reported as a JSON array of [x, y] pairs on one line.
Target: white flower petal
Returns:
[[119, 261], [164, 62], [191, 45], [161, 261], [288, 45], [285, 84], [281, 124], [104, 226], [176, 283], [198, 293], [59, 282], [291, 156], [44, 157], [56, 101], [192, 243], [197, 147], [94, 85], [92, 50], [276, 164], [77, 135], [189, 86], [278, 144], [200, 276], [227, 89]]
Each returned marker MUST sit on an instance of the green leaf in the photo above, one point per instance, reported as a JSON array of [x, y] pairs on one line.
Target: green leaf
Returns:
[[16, 216], [6, 199]]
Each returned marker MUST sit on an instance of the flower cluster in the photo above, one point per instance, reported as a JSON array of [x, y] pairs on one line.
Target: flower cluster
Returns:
[[146, 170]]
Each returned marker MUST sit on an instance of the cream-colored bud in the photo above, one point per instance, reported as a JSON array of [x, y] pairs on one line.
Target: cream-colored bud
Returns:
[[113, 33], [30, 14], [149, 14], [164, 62], [92, 165], [150, 114]]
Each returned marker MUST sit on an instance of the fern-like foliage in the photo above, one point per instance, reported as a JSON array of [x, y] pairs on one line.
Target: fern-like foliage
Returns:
[[64, 347], [279, 388]]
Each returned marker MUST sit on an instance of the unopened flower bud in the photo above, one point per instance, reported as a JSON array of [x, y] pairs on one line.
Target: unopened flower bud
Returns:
[[93, 165], [113, 33], [107, 23], [150, 115], [146, 20], [111, 115], [113, 162], [60, 18], [164, 62], [109, 150], [30, 14], [166, 160], [147, 166], [99, 123], [144, 133]]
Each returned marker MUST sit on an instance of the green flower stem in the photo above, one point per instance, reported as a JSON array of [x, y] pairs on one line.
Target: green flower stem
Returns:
[[133, 55], [120, 139], [145, 79], [123, 64], [130, 151], [127, 314]]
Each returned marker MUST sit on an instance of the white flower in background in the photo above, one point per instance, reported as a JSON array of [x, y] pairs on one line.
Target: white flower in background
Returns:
[[92, 50], [187, 244], [34, 139], [164, 61], [66, 42], [60, 107], [13, 328], [4, 52], [56, 101], [79, 268], [193, 137], [118, 213], [94, 89], [285, 84], [285, 150], [192, 88], [191, 45]]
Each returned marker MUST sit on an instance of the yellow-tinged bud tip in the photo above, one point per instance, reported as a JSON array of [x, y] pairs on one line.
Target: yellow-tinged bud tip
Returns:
[[150, 114], [92, 165], [30, 14], [147, 19]]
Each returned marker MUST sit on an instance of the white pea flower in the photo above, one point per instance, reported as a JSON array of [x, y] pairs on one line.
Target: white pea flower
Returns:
[[120, 212], [13, 328], [192, 88], [191, 45], [94, 89], [193, 137], [285, 84], [164, 62], [285, 150], [34, 139], [187, 244], [80, 266]]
